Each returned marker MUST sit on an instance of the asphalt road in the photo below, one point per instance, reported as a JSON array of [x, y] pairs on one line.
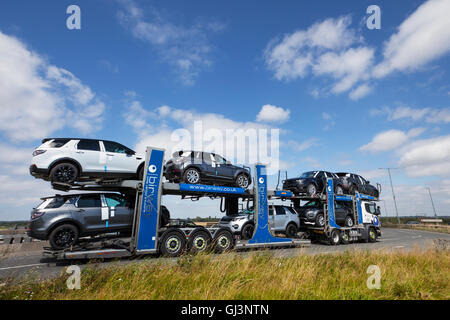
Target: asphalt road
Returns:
[[17, 264]]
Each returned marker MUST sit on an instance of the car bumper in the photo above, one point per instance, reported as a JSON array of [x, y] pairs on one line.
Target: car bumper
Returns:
[[173, 173], [40, 235], [38, 173]]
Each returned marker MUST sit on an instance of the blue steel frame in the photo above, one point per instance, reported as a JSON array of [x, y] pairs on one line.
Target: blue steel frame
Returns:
[[262, 233]]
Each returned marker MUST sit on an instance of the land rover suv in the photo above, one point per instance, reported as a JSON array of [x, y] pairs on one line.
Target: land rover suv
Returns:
[[68, 160], [196, 167], [285, 221]]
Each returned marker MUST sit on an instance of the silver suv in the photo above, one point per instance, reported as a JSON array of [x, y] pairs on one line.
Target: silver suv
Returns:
[[285, 221]]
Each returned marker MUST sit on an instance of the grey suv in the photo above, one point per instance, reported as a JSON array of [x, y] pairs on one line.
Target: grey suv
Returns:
[[285, 221], [63, 219]]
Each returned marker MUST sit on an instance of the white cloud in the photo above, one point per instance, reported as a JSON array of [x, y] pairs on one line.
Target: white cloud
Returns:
[[38, 98], [427, 157], [332, 49], [390, 140], [270, 113], [306, 144], [360, 92], [186, 49], [421, 38], [430, 115], [324, 50]]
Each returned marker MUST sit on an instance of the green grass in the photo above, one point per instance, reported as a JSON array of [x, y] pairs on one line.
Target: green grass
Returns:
[[259, 275]]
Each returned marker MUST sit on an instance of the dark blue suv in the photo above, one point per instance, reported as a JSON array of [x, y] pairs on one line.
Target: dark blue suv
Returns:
[[196, 167]]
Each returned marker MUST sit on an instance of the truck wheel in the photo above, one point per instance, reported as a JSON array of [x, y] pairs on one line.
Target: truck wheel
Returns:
[[320, 220], [372, 236], [247, 231], [173, 243], [199, 242], [223, 241], [63, 237], [64, 172], [192, 176], [348, 221], [291, 230], [335, 237], [345, 238]]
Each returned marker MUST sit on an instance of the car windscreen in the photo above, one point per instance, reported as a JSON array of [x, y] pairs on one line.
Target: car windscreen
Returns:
[[309, 174]]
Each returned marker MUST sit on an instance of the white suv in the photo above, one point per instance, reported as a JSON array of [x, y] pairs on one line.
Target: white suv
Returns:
[[68, 160]]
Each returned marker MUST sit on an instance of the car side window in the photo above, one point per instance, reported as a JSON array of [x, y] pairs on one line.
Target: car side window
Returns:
[[289, 210], [90, 145], [89, 201], [207, 157], [114, 200], [270, 211], [219, 159], [280, 211], [115, 147], [321, 175]]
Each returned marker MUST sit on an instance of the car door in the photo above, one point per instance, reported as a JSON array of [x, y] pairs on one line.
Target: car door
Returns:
[[88, 154], [225, 171], [120, 213], [321, 180], [209, 165], [120, 159], [280, 218], [90, 206]]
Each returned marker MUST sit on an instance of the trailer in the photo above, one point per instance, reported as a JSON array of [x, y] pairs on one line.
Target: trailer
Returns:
[[365, 215], [149, 237]]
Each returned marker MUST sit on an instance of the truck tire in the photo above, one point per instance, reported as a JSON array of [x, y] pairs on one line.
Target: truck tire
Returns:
[[345, 237], [173, 243], [372, 235], [335, 237], [223, 241], [247, 231], [63, 236], [199, 241], [291, 230]]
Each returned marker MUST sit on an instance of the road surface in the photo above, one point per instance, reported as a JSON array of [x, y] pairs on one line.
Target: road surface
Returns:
[[18, 264]]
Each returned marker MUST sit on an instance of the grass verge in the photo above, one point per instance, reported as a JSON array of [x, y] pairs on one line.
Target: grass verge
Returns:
[[260, 275], [433, 228]]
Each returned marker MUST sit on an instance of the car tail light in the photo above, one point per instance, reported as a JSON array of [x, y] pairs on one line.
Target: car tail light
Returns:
[[38, 152], [37, 214]]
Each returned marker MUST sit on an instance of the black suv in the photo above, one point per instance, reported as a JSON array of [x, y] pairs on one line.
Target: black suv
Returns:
[[313, 183], [312, 213], [194, 167], [353, 182]]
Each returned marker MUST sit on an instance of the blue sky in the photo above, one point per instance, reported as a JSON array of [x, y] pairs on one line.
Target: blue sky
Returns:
[[346, 98]]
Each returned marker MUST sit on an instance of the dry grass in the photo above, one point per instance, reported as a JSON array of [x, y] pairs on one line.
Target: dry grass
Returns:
[[408, 275]]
